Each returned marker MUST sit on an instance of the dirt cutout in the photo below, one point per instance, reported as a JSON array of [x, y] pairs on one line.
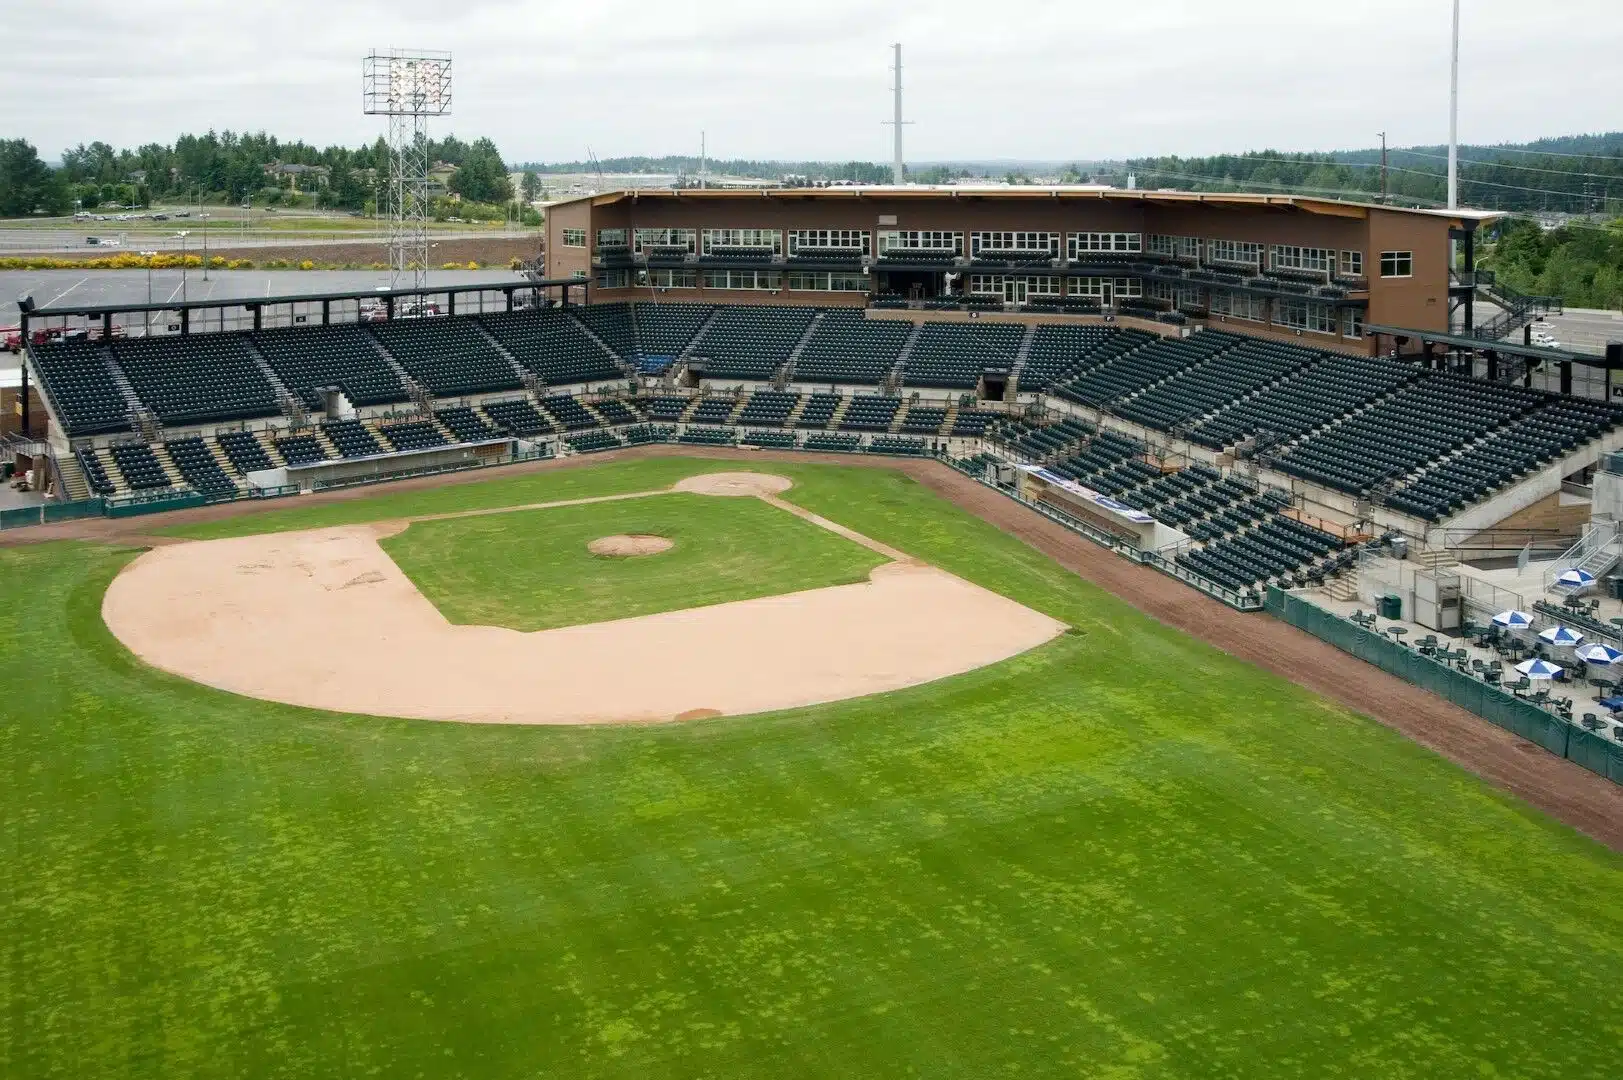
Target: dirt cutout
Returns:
[[629, 545]]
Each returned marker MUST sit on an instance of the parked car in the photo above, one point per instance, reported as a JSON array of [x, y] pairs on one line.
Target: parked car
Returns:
[[11, 338], [93, 241]]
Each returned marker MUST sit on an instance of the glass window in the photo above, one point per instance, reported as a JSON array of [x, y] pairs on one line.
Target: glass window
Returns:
[[1352, 263], [1397, 264], [671, 279], [1312, 260], [921, 240], [822, 239], [1045, 243], [611, 238], [827, 281], [574, 238], [756, 280], [685, 239], [1233, 251], [1352, 322], [613, 279], [723, 239], [1078, 244]]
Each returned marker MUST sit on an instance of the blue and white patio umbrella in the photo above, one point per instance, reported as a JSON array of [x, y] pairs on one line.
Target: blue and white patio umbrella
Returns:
[[1539, 669], [1561, 635], [1513, 620], [1575, 579], [1599, 655]]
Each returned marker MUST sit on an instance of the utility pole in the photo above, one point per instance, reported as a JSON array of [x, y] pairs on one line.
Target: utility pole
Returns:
[[1454, 116], [1383, 167], [703, 162]]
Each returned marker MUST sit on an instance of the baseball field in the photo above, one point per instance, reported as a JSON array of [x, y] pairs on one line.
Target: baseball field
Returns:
[[1119, 853]]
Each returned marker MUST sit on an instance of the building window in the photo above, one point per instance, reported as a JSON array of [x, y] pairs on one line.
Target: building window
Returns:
[[578, 275], [729, 239], [611, 238], [1121, 288], [1397, 264], [827, 281], [828, 239], [990, 243], [921, 240], [1305, 315], [671, 279], [613, 279], [574, 238], [668, 239], [1312, 260], [1239, 305], [1079, 244], [753, 280], [1234, 251], [1173, 247], [1352, 263], [1352, 322]]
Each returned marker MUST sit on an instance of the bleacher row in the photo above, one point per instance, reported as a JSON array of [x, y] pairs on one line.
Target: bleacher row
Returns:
[[896, 426], [1242, 537]]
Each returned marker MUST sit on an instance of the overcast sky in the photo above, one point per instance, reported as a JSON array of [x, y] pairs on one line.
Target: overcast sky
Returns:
[[1032, 79]]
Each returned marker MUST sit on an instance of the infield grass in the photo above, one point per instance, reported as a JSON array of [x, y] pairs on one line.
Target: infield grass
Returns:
[[530, 569], [1121, 855]]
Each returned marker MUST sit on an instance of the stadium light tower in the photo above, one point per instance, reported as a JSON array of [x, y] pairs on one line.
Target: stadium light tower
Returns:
[[898, 170], [409, 86]]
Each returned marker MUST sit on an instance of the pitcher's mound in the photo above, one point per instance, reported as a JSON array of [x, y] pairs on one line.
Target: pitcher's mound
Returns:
[[734, 483], [624, 546]]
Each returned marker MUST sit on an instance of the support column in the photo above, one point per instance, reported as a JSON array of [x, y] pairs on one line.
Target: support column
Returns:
[[26, 432], [1493, 365], [1470, 268], [185, 321], [1565, 368], [326, 313]]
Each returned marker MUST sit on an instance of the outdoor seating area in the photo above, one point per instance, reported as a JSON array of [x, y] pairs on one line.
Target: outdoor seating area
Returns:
[[1133, 371], [309, 359], [957, 354], [847, 347], [197, 378], [449, 357], [517, 416], [552, 344], [750, 342], [80, 384], [1311, 397]]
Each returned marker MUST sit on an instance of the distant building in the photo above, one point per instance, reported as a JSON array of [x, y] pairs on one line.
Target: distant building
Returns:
[[313, 177]]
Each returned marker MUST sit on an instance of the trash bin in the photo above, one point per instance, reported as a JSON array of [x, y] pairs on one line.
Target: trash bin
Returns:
[[1400, 547], [1391, 606]]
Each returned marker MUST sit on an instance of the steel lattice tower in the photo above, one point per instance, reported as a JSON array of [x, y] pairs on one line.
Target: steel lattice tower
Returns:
[[409, 87]]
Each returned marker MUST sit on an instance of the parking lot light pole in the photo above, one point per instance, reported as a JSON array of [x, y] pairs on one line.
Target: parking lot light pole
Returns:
[[181, 236], [149, 256], [205, 218]]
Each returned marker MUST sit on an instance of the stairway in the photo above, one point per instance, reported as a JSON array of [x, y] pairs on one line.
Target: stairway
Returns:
[[393, 365], [738, 407], [1344, 586], [1435, 559], [223, 460], [519, 369], [292, 405], [896, 420], [1516, 308], [268, 443], [593, 413], [74, 486], [115, 475], [794, 414], [839, 413], [122, 383], [786, 374], [902, 357], [692, 407], [328, 447], [950, 420], [687, 351], [1021, 355], [170, 469]]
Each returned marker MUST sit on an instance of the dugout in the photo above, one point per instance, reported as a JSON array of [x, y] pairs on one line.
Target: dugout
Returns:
[[1100, 511]]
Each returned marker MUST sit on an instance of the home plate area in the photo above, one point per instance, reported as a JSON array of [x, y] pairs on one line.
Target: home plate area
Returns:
[[327, 619]]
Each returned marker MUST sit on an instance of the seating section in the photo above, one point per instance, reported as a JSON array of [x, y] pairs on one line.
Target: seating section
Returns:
[[352, 438], [819, 411], [649, 433], [1280, 549], [196, 378], [1534, 441], [1201, 389], [308, 358], [1425, 420], [467, 425], [848, 347], [244, 451], [1310, 398], [896, 444], [96, 477], [587, 441], [1058, 352], [413, 435], [957, 354], [1141, 368], [833, 440], [663, 331], [300, 449], [81, 387], [972, 423], [768, 408], [712, 410], [569, 412], [450, 357], [611, 323], [923, 420], [666, 408], [196, 463], [551, 343], [751, 342], [708, 436], [518, 417], [615, 413], [140, 466], [775, 440], [871, 412]]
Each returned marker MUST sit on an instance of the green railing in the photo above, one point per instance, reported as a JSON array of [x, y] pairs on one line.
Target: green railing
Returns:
[[1559, 736]]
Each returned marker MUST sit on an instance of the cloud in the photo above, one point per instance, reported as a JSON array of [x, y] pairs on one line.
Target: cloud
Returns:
[[1036, 79]]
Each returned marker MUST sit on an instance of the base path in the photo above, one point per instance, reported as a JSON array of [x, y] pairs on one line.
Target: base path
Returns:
[[326, 619]]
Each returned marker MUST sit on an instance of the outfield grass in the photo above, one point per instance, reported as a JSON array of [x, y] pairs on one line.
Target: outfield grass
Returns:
[[1121, 855], [530, 570]]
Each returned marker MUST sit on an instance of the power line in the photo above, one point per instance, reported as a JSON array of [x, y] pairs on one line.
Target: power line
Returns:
[[1518, 168], [1541, 153]]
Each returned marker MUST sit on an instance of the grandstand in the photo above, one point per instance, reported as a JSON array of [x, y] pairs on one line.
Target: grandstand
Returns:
[[1227, 439]]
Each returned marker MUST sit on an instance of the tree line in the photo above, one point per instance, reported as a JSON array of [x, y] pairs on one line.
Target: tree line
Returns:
[[229, 167]]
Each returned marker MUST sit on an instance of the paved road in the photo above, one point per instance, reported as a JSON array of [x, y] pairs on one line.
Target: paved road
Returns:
[[90, 287], [72, 239]]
